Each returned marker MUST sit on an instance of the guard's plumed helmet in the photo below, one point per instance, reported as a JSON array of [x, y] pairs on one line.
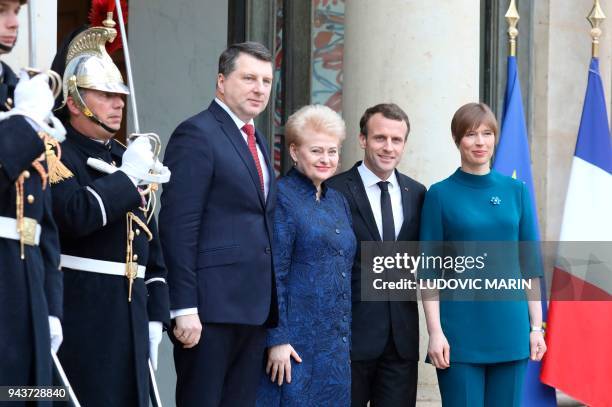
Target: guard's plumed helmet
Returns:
[[89, 66]]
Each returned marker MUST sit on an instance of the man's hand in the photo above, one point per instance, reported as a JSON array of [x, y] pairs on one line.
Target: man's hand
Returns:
[[279, 363], [188, 330]]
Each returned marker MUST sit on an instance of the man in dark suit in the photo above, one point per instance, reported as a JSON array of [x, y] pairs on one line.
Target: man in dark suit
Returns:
[[385, 205], [216, 231]]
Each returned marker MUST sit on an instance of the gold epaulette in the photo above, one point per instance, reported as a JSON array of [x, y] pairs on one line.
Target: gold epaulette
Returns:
[[57, 170]]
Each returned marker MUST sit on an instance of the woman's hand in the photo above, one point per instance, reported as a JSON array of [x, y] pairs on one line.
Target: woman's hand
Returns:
[[537, 345], [439, 350], [279, 363]]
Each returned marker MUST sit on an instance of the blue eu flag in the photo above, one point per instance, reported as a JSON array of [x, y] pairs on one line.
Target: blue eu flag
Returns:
[[512, 158]]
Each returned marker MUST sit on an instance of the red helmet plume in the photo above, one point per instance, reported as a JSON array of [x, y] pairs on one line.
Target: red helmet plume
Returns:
[[97, 15]]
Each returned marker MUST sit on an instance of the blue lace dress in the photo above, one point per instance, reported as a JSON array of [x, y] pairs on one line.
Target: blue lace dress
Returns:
[[314, 248]]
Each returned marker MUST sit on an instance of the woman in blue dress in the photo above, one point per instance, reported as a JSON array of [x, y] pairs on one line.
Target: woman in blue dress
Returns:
[[314, 246], [480, 348]]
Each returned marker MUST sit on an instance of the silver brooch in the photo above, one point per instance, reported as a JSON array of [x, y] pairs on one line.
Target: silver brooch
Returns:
[[495, 200]]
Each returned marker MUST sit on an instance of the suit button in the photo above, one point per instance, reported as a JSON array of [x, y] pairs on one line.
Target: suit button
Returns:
[[340, 252], [30, 199], [343, 274], [268, 250], [337, 231], [344, 339], [344, 318], [344, 296]]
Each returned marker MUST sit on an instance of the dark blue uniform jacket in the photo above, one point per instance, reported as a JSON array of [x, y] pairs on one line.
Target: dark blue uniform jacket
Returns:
[[106, 344]]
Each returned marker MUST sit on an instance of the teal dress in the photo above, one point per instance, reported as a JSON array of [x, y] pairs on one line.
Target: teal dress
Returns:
[[485, 208], [492, 207]]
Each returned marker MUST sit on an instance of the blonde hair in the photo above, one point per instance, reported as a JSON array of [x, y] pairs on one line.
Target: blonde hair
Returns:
[[317, 118]]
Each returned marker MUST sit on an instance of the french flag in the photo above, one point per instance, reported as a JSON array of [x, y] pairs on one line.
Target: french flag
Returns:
[[579, 328]]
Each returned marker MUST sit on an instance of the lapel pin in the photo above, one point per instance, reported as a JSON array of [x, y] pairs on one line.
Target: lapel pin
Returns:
[[495, 200]]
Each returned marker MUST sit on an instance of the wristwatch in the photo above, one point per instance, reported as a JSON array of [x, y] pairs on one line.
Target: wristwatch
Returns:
[[537, 329]]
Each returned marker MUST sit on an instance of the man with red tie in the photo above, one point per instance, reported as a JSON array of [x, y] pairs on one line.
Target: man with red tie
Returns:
[[216, 233]]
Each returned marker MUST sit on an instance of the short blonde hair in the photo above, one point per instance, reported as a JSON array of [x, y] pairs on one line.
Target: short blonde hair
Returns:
[[318, 118]]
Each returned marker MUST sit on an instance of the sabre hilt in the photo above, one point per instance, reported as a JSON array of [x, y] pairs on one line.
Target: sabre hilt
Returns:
[[159, 174], [55, 80]]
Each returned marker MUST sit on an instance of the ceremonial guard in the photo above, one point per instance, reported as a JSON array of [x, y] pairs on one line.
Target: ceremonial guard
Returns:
[[30, 280], [115, 296]]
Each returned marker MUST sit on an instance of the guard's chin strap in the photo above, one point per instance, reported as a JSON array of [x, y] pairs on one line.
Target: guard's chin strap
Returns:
[[76, 95], [4, 49], [97, 121]]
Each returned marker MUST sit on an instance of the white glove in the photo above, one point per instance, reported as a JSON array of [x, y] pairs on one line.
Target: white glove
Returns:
[[137, 159], [155, 337], [56, 333], [33, 96], [34, 100]]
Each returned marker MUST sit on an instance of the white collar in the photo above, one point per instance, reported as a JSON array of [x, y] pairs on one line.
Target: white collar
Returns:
[[236, 119], [103, 142], [370, 179]]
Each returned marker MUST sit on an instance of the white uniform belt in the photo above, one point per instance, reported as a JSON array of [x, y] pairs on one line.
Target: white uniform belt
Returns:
[[97, 266], [8, 229]]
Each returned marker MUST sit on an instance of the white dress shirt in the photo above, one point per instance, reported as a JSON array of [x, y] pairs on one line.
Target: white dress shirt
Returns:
[[370, 182], [266, 179]]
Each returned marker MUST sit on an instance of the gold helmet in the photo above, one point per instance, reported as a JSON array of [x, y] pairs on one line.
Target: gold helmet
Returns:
[[89, 66]]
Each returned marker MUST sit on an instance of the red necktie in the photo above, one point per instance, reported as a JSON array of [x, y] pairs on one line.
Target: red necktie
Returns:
[[250, 131]]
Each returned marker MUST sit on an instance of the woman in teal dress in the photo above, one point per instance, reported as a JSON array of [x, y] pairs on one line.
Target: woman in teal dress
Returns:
[[480, 348]]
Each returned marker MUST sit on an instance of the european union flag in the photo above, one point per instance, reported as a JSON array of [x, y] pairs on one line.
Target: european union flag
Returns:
[[512, 158]]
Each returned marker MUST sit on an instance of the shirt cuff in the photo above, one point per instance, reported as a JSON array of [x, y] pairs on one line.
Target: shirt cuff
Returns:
[[183, 311]]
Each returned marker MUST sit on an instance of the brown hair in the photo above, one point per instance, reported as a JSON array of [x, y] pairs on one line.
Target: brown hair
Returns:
[[227, 60], [388, 110], [469, 117], [314, 117]]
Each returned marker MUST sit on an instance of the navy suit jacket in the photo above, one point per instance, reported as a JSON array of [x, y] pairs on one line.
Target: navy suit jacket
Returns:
[[215, 224], [372, 321]]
